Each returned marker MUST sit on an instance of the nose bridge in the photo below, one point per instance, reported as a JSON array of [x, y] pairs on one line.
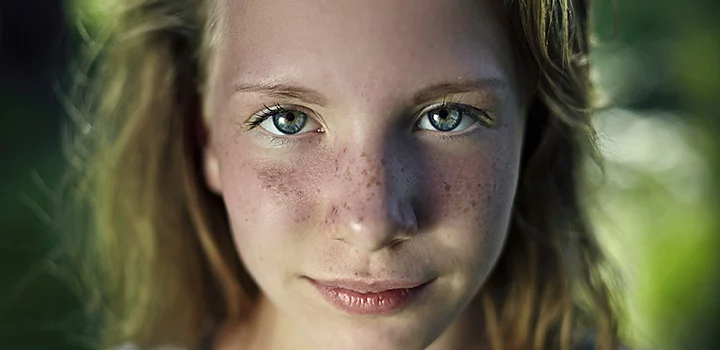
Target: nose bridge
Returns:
[[372, 208]]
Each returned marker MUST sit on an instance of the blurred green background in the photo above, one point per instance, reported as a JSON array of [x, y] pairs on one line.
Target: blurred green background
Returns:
[[657, 62]]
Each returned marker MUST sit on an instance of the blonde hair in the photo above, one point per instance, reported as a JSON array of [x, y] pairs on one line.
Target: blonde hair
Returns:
[[161, 263]]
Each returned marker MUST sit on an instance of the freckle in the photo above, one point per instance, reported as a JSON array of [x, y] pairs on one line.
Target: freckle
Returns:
[[402, 170], [382, 161], [465, 210], [317, 190], [363, 154], [330, 269], [361, 219], [474, 204], [447, 187]]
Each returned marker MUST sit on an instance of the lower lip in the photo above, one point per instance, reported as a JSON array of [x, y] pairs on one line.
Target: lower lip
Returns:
[[380, 303]]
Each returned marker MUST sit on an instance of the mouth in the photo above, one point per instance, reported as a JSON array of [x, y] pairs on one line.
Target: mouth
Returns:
[[369, 297]]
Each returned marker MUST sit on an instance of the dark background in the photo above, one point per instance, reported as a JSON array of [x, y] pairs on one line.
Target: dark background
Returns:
[[658, 62], [38, 310]]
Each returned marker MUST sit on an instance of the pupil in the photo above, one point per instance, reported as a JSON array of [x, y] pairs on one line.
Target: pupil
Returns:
[[445, 119], [289, 122]]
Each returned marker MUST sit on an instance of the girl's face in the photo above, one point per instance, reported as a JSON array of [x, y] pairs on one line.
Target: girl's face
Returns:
[[373, 201]]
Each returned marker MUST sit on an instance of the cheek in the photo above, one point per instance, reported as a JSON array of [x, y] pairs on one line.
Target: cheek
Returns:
[[469, 201], [261, 186], [267, 196], [267, 201], [271, 197]]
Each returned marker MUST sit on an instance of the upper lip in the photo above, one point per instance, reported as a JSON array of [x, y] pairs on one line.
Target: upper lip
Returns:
[[362, 286]]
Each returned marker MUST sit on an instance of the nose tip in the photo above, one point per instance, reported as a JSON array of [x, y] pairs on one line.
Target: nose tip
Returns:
[[393, 223], [373, 208]]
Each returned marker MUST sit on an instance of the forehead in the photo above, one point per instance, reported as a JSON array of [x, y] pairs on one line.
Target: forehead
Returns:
[[351, 46]]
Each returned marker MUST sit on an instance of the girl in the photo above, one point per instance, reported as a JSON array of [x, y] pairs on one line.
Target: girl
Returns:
[[306, 174]]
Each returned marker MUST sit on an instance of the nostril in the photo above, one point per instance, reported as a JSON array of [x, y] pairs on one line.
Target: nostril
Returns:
[[396, 242], [408, 217]]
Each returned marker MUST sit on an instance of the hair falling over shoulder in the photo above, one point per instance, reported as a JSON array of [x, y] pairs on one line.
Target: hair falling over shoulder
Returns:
[[160, 260]]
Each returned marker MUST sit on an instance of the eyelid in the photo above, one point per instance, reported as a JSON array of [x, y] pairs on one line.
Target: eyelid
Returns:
[[268, 111], [482, 115]]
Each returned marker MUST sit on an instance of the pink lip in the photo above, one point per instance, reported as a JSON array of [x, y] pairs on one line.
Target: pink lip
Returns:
[[369, 298]]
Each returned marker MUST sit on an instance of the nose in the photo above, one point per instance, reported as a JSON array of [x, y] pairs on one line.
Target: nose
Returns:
[[372, 206]]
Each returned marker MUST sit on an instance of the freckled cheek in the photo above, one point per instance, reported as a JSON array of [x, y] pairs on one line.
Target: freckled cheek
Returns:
[[470, 194], [267, 209], [272, 196], [469, 201]]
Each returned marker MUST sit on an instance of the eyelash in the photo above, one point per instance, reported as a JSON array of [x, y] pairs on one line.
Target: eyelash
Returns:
[[475, 113], [264, 114]]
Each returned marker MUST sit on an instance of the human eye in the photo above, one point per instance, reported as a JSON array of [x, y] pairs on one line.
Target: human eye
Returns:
[[280, 120], [452, 117]]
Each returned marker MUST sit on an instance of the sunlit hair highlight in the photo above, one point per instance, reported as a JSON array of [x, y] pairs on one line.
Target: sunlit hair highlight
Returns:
[[161, 264]]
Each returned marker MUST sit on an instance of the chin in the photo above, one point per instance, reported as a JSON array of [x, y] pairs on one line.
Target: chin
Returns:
[[405, 333], [372, 340]]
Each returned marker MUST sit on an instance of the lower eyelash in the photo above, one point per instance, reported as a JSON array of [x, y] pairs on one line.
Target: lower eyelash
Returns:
[[278, 141]]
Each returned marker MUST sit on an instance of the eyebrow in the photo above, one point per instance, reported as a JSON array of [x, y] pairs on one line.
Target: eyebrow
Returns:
[[284, 91], [437, 91], [432, 92]]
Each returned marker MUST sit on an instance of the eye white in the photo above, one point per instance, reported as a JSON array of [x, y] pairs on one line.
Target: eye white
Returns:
[[466, 120], [269, 125]]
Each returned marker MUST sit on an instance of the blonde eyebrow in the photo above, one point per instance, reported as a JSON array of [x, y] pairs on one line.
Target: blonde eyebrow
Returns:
[[437, 91], [284, 91], [432, 92]]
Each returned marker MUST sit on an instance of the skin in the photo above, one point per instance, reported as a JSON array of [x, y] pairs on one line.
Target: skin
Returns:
[[371, 196]]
